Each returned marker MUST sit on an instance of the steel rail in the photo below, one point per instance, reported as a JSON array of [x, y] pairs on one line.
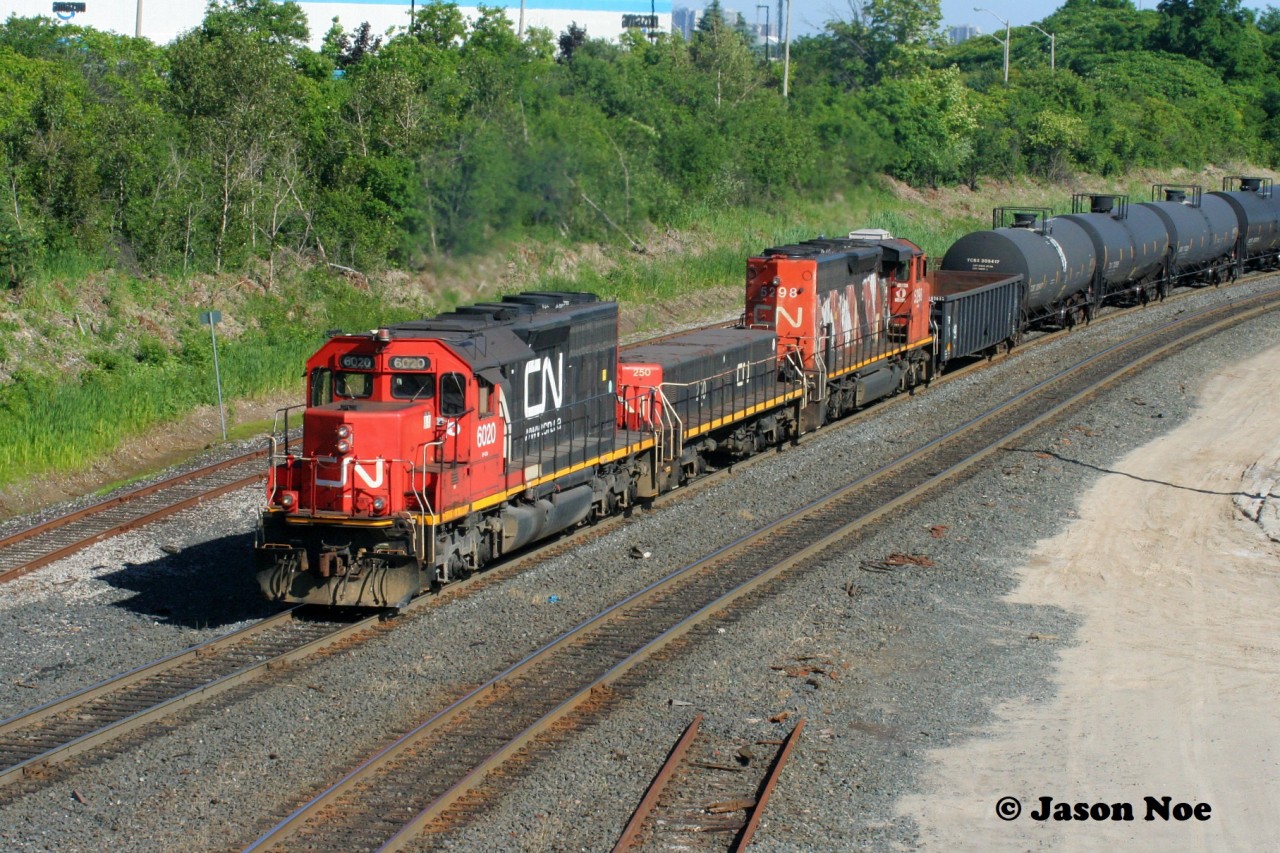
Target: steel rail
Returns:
[[17, 560], [27, 550], [445, 759], [631, 833], [770, 783], [88, 718]]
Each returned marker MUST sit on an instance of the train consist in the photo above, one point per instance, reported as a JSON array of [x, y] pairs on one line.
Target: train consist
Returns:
[[431, 448]]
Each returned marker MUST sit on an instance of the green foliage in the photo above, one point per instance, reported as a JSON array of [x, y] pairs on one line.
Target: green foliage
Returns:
[[236, 145], [1219, 33], [238, 150], [933, 116]]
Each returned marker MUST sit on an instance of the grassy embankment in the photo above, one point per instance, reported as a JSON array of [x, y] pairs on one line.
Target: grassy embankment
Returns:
[[91, 359]]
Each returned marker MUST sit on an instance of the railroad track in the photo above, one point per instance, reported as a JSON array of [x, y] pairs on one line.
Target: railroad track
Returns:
[[441, 772], [34, 740], [702, 799], [37, 546]]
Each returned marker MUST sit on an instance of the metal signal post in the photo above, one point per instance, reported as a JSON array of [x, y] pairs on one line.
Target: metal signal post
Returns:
[[211, 319]]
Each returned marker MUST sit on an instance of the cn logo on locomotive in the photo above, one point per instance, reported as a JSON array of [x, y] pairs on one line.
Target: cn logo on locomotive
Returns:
[[550, 385]]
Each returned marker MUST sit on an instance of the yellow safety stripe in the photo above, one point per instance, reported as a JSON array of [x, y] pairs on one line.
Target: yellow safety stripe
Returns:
[[716, 423], [492, 500]]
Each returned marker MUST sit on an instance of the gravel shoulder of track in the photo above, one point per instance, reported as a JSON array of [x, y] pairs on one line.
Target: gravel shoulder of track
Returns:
[[919, 655]]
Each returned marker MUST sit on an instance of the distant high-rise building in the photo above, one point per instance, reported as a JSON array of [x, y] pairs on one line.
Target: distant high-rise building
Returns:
[[964, 32], [684, 21]]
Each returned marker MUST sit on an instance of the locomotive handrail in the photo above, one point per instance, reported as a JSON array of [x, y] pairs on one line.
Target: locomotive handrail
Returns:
[[270, 466], [275, 421], [421, 492], [274, 457], [420, 530], [820, 370], [677, 431]]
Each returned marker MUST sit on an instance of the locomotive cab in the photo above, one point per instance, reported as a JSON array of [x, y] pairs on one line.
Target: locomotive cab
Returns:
[[382, 432]]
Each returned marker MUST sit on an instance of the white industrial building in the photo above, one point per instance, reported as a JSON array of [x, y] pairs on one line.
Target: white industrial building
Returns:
[[164, 20]]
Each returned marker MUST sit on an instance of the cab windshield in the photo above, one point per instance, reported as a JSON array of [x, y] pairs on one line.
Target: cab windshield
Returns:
[[348, 385], [413, 386]]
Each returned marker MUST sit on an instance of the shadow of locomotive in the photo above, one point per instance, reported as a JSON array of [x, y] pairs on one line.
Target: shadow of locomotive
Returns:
[[205, 585]]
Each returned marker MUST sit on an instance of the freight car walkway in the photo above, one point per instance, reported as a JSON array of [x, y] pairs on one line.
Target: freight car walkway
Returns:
[[1172, 686]]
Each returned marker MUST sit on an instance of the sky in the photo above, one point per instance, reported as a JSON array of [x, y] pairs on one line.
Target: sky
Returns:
[[808, 16]]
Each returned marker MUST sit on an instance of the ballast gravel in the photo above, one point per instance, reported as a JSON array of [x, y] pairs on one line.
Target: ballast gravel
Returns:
[[915, 656]]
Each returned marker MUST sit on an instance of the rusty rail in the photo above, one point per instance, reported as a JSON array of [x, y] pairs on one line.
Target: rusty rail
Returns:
[[667, 803], [28, 550], [631, 834], [771, 781]]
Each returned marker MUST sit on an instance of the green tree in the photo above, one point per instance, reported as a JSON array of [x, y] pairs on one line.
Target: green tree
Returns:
[[933, 116], [1219, 33]]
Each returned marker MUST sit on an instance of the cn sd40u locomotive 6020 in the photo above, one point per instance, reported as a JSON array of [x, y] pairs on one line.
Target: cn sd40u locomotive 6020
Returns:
[[431, 448]]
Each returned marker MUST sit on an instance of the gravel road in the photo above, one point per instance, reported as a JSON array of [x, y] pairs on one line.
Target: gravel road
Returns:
[[915, 657]]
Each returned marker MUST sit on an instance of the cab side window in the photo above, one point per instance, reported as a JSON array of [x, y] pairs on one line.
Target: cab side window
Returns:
[[321, 386], [453, 394], [485, 393]]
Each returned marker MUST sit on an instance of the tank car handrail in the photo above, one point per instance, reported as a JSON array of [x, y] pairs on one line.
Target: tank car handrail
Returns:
[[1197, 191]]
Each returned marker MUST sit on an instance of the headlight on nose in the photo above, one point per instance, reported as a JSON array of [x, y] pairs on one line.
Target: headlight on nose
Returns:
[[343, 445]]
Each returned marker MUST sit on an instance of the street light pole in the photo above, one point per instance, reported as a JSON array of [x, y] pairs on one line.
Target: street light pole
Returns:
[[786, 56], [1006, 40], [767, 12], [1053, 39]]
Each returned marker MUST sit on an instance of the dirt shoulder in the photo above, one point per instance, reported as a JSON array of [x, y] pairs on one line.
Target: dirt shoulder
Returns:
[[1171, 687]]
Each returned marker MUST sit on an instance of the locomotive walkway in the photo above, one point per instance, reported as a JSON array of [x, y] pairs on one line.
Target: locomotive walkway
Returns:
[[444, 770]]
